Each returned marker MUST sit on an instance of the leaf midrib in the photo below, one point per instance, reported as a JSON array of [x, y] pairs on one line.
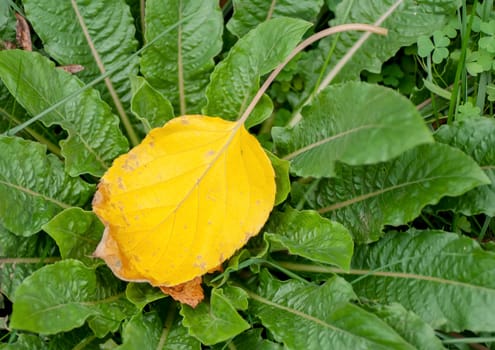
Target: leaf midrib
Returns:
[[306, 316], [389, 274], [328, 139], [379, 192], [35, 194]]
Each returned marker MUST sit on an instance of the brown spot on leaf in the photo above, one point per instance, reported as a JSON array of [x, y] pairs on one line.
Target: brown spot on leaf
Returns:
[[190, 293]]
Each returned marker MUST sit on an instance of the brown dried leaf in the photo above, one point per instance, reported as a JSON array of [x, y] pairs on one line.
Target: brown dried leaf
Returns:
[[23, 34], [190, 293]]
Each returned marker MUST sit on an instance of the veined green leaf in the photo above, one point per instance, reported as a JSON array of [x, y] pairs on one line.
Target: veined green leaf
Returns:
[[366, 198], [179, 64], [20, 257], [147, 331], [94, 136], [355, 123], [141, 294], [409, 325], [235, 80], [307, 234], [215, 322], [475, 137], [449, 281], [34, 186], [62, 296], [110, 26], [149, 105], [77, 233], [308, 316], [249, 13], [409, 21]]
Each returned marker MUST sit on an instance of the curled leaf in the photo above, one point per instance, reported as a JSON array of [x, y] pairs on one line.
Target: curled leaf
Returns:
[[183, 201]]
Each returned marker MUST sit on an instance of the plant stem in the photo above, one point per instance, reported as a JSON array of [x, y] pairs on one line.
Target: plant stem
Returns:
[[167, 327], [116, 100], [313, 38], [142, 11], [342, 62], [462, 63]]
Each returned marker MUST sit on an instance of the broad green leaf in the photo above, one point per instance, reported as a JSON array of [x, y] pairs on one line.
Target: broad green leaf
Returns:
[[34, 186], [110, 26], [251, 339], [235, 80], [141, 294], [476, 138], [94, 138], [355, 123], [77, 233], [449, 281], [282, 180], [408, 22], [409, 325], [180, 62], [147, 331], [366, 198], [249, 13], [62, 296], [307, 234], [309, 316], [149, 105], [214, 322], [20, 257], [26, 342]]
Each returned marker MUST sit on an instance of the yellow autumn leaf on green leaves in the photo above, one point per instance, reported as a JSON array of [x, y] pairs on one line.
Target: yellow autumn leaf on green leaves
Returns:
[[183, 201]]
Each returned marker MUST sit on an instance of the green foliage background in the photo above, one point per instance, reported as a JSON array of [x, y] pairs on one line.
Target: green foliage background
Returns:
[[382, 233]]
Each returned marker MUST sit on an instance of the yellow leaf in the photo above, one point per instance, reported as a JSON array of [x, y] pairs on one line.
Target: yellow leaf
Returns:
[[183, 201]]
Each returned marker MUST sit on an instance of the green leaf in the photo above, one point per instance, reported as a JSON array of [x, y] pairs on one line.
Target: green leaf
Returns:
[[307, 234], [251, 339], [308, 316], [409, 325], [62, 296], [366, 198], [20, 257], [147, 331], [141, 294], [26, 342], [149, 105], [34, 186], [405, 25], [476, 138], [282, 180], [180, 62], [77, 233], [94, 136], [214, 322], [235, 80], [236, 295], [249, 13], [355, 123], [112, 31], [448, 280]]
